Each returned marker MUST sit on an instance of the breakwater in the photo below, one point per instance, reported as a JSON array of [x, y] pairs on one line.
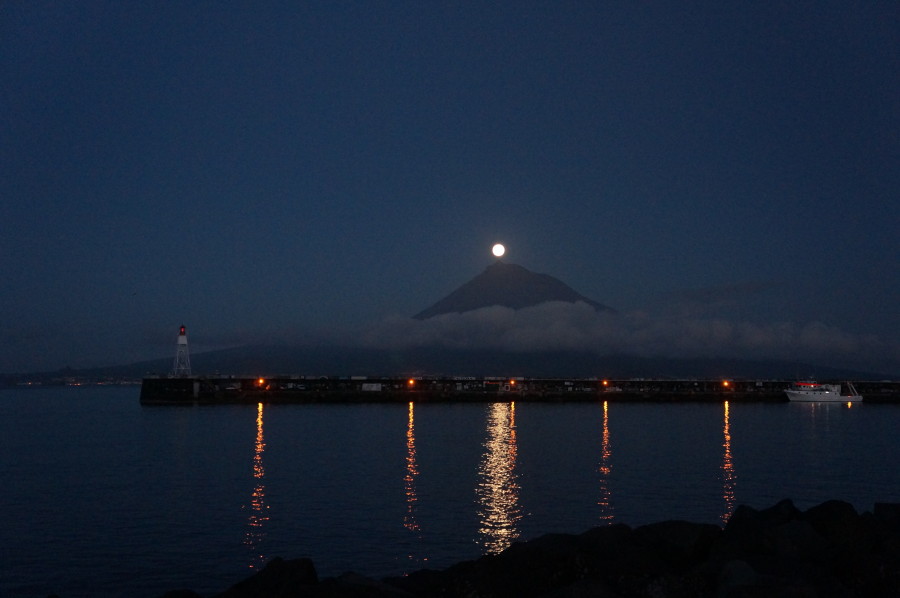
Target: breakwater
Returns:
[[306, 389]]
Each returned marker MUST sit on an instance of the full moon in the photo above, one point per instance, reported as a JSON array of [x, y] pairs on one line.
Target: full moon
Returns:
[[498, 250]]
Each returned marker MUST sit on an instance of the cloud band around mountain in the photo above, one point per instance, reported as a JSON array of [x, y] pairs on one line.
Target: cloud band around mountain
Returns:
[[578, 326]]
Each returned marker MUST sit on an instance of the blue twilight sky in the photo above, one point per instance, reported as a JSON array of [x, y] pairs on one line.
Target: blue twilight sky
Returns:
[[726, 175]]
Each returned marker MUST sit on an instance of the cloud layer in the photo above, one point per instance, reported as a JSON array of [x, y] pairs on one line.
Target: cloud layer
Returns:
[[568, 326]]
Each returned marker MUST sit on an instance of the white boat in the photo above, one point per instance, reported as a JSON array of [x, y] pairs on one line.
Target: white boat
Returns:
[[828, 393]]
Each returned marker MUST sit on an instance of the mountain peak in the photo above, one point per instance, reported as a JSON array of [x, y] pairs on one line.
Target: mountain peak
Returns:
[[509, 285]]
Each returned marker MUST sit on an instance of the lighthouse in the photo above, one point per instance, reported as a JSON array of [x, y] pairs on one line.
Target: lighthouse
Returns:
[[182, 365]]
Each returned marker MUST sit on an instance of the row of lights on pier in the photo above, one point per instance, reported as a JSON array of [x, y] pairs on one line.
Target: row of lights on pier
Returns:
[[412, 382]]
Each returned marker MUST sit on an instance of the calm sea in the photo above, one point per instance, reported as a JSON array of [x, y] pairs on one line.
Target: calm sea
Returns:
[[103, 497]]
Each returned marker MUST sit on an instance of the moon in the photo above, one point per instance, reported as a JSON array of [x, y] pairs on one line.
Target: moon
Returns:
[[498, 250]]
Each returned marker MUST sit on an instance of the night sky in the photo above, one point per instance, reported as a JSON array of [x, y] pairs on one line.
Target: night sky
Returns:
[[725, 175]]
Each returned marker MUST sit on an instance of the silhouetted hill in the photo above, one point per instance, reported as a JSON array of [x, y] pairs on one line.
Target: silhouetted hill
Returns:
[[508, 285]]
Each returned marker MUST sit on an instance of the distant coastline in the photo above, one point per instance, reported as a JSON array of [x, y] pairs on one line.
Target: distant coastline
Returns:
[[347, 361]]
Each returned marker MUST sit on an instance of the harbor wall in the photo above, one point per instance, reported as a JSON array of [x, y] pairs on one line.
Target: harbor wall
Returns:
[[301, 389]]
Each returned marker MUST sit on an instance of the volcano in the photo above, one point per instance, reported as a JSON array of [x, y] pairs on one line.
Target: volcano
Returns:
[[509, 285]]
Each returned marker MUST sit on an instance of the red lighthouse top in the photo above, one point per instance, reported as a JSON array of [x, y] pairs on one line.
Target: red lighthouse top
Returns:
[[181, 331]]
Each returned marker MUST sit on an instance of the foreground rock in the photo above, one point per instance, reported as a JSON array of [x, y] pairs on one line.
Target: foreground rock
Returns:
[[827, 551]]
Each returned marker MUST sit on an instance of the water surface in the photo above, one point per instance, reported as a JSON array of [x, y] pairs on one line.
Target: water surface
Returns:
[[103, 497]]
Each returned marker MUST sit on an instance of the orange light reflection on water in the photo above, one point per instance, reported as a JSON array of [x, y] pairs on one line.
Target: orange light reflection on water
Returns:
[[258, 507], [729, 477], [605, 498], [498, 489], [412, 471]]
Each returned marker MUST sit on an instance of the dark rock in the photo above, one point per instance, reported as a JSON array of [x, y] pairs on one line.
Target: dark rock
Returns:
[[605, 541], [678, 543], [847, 534], [749, 531], [354, 585], [888, 515], [535, 568], [584, 588], [736, 574], [278, 579]]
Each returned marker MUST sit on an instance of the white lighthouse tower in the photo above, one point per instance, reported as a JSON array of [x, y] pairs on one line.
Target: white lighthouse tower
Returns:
[[182, 366]]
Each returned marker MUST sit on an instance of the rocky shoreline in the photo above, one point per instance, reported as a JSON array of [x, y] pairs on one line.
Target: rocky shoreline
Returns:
[[829, 550]]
